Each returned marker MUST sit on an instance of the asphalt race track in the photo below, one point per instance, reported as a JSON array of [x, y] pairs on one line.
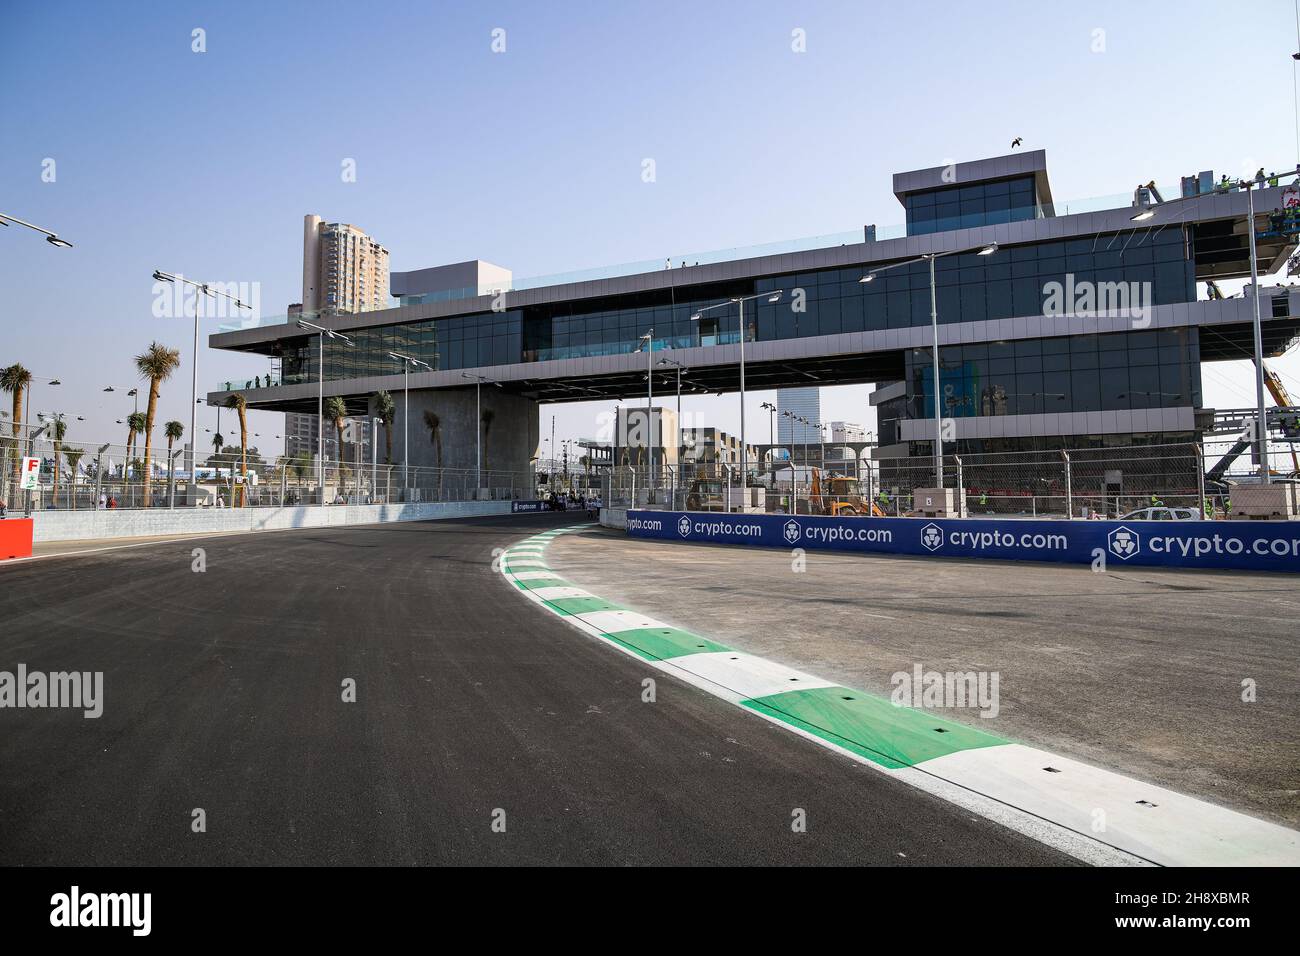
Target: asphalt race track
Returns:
[[223, 691]]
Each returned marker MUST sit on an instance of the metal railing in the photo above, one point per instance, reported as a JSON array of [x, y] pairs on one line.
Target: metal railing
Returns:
[[1075, 483], [80, 475]]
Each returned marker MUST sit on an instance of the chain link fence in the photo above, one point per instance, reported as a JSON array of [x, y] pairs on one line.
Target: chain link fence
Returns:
[[1081, 482], [78, 475]]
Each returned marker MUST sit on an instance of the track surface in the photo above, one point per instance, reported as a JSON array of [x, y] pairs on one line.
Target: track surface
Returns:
[[223, 692]]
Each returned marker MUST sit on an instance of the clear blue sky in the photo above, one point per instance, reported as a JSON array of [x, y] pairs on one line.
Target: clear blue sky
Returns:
[[206, 163]]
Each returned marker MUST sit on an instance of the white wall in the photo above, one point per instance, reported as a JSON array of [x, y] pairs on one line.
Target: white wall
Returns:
[[74, 525], [614, 518]]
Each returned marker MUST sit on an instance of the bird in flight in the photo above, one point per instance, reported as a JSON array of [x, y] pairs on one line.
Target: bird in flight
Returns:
[[1016, 142]]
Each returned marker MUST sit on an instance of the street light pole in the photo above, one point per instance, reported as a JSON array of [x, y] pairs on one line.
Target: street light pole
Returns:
[[1261, 427], [407, 361], [321, 333], [986, 250], [649, 341], [677, 438], [771, 432], [478, 427], [200, 290], [938, 420], [773, 296], [374, 457]]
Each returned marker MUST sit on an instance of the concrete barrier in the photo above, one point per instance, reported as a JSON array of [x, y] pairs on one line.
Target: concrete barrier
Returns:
[[78, 525], [614, 518]]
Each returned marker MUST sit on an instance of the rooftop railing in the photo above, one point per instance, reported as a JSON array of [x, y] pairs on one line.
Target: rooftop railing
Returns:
[[678, 260]]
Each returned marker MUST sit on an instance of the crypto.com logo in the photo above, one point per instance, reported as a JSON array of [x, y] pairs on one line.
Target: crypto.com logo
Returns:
[[932, 537], [792, 531], [1123, 543], [684, 526]]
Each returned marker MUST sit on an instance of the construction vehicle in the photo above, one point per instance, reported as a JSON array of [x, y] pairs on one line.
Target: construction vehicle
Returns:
[[839, 496], [1290, 429], [706, 494]]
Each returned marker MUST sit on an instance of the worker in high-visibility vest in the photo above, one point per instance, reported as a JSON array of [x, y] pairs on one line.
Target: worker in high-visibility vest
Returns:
[[984, 499], [1208, 508], [1156, 502]]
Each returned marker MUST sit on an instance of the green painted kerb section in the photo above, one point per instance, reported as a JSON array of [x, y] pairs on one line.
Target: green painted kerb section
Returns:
[[872, 727], [662, 643], [582, 605]]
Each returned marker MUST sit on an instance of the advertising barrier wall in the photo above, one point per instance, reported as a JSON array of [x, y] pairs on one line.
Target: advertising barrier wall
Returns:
[[527, 506], [1236, 545]]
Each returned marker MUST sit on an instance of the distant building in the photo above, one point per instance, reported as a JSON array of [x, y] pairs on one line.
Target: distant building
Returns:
[[634, 441], [343, 269], [713, 446], [302, 430], [847, 432], [459, 280], [803, 403]]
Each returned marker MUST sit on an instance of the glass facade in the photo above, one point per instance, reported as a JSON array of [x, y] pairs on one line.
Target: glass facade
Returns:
[[1080, 373], [464, 341], [965, 207], [969, 288]]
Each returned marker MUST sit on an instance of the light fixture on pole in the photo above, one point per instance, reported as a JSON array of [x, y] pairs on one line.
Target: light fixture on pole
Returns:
[[985, 250], [479, 380], [322, 333], [772, 297], [51, 237], [407, 361], [374, 457], [200, 289]]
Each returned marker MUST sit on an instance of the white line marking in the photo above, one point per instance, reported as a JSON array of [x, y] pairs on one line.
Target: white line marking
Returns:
[[745, 675]]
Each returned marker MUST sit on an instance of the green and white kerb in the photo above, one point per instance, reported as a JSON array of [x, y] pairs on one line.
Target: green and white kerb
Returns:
[[1092, 814]]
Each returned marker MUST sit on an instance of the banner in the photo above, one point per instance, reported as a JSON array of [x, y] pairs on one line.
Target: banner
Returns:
[[1237, 545], [31, 474], [526, 507]]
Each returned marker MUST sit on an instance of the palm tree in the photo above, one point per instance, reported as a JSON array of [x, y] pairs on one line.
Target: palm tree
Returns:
[[135, 425], [16, 379], [336, 411], [488, 415], [73, 457], [386, 410], [434, 424], [240, 404], [156, 363], [58, 428], [173, 430]]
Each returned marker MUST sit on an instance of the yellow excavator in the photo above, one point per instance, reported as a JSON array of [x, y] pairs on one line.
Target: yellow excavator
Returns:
[[839, 496]]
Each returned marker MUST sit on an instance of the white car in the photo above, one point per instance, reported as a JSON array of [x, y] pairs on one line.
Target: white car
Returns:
[[1162, 514]]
